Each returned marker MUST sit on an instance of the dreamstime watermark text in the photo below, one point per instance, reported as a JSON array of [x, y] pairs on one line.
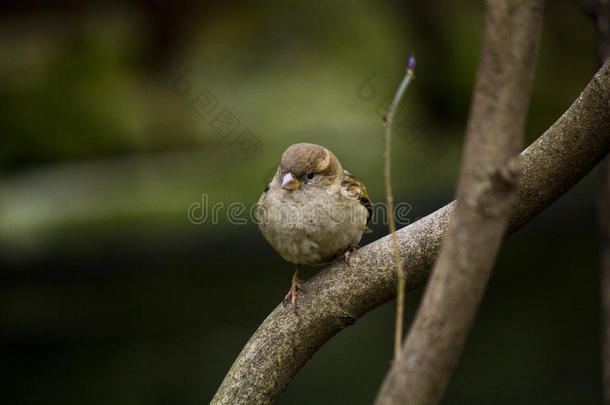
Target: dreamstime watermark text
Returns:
[[238, 213]]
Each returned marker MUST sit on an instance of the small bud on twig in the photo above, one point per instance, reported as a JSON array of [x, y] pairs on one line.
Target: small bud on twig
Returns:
[[411, 64]]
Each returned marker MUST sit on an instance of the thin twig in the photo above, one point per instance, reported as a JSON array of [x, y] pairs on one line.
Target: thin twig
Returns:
[[387, 121]]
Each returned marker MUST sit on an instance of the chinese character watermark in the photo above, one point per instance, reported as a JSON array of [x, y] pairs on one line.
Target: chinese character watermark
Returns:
[[222, 120], [405, 125]]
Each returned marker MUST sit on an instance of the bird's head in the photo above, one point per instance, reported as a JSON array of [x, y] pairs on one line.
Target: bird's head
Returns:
[[308, 165]]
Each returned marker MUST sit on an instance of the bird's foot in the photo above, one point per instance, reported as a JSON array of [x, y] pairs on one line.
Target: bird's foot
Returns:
[[348, 252], [291, 297]]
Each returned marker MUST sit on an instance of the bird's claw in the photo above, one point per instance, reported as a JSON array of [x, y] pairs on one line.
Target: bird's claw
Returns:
[[347, 254], [291, 297]]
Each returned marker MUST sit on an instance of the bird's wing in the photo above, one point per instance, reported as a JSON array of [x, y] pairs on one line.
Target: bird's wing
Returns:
[[357, 189]]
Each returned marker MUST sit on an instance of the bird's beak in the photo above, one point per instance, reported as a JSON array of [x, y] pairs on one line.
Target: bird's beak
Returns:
[[289, 182]]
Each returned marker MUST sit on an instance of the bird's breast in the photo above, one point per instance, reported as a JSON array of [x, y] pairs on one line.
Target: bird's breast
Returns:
[[310, 229]]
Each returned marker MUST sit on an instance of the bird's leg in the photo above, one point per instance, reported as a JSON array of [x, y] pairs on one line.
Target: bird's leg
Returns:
[[296, 286], [348, 252]]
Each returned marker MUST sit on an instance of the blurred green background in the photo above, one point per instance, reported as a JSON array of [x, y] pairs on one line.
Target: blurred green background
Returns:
[[109, 294]]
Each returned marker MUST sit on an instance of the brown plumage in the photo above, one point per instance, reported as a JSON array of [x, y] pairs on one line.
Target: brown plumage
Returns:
[[354, 186], [312, 210]]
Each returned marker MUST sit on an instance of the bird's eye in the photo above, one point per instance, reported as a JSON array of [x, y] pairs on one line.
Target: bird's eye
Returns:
[[309, 175]]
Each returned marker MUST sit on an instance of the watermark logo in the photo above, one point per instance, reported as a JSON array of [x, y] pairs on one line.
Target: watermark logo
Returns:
[[406, 125], [237, 213], [221, 118]]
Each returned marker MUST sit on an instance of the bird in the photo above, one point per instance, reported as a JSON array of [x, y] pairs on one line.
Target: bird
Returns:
[[312, 211]]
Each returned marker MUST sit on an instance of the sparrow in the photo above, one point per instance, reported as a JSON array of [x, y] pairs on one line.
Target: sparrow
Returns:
[[312, 211]]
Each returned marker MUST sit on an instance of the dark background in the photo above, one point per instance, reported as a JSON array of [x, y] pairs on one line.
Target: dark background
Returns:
[[109, 294]]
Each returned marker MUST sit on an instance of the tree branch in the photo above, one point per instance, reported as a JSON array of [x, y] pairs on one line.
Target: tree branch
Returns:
[[338, 295], [486, 191]]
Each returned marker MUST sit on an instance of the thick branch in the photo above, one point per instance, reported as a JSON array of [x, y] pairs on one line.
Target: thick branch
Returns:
[[337, 296], [486, 191]]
